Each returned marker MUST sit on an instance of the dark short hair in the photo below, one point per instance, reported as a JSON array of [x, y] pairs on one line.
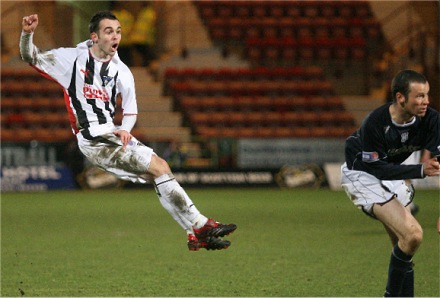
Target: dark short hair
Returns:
[[100, 15], [403, 79]]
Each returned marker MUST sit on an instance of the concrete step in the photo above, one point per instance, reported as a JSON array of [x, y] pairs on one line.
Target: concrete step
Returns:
[[162, 104], [200, 58], [149, 91], [156, 120], [159, 119], [361, 106], [178, 134], [184, 27], [140, 72]]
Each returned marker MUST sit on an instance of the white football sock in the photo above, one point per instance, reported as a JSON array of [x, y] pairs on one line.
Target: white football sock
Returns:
[[175, 200], [200, 221]]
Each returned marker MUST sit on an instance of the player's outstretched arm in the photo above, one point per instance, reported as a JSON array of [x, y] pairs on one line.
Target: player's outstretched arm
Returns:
[[29, 23], [28, 51]]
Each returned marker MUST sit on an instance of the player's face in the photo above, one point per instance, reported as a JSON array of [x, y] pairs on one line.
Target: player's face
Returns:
[[108, 38], [417, 101]]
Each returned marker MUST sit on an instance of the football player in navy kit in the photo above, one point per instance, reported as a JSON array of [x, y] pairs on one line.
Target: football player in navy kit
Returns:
[[92, 75], [373, 175]]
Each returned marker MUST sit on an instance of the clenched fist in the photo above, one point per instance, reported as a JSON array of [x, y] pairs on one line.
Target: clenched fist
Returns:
[[29, 23]]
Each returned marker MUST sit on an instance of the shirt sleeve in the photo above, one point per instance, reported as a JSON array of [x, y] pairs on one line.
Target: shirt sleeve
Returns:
[[28, 50], [433, 134], [127, 89], [56, 63], [128, 122]]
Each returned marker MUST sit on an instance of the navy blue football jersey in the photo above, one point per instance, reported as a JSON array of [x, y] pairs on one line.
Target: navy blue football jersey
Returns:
[[380, 145]]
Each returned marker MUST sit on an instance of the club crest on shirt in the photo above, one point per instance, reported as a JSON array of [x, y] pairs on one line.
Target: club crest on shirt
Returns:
[[404, 137], [106, 80]]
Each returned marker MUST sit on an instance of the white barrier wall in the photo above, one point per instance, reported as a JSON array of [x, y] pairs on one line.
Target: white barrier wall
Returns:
[[275, 153]]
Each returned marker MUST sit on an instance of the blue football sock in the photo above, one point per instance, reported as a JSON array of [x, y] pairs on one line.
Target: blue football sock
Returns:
[[408, 284], [400, 265]]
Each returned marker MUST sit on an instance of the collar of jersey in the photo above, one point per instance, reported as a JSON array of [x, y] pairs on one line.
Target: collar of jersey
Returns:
[[405, 124]]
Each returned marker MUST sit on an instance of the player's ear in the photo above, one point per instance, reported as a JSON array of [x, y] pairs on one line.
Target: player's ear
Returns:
[[400, 99], [94, 37]]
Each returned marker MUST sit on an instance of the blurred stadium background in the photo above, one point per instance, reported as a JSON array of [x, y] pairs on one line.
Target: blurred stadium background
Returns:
[[239, 93]]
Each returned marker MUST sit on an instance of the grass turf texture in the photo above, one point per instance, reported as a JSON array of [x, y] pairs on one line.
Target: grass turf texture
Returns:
[[123, 243]]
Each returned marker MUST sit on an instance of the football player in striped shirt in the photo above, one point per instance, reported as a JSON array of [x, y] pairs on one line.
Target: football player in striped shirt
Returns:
[[91, 76]]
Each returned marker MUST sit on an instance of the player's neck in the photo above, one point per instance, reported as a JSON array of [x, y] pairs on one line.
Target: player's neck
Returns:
[[399, 115], [99, 55]]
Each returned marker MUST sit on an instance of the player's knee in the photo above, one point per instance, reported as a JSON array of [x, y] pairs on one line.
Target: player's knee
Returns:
[[159, 166], [414, 238], [417, 237], [165, 168]]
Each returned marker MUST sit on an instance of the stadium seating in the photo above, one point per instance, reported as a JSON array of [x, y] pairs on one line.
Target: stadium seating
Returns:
[[222, 75], [32, 108], [288, 51], [281, 94], [258, 102], [274, 33]]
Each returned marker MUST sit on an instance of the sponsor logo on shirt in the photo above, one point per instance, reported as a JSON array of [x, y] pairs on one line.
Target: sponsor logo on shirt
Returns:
[[370, 156], [404, 149], [85, 72], [90, 92]]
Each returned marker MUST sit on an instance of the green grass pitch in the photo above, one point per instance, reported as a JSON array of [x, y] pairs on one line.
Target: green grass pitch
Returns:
[[297, 242]]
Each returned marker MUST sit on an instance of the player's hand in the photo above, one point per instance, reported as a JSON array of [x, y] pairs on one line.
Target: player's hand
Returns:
[[431, 167], [125, 137], [29, 23]]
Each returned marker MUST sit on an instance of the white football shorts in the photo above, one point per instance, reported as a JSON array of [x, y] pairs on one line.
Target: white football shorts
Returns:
[[365, 190], [105, 152]]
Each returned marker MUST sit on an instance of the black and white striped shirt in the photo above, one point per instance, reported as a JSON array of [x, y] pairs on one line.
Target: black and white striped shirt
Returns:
[[90, 86]]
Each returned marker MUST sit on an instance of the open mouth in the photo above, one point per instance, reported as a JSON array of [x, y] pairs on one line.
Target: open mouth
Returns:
[[115, 47]]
